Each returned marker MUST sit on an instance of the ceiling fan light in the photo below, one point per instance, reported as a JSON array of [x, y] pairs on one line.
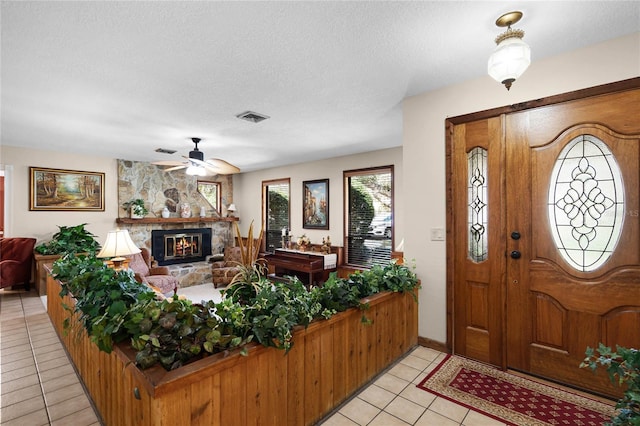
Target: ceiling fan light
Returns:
[[509, 61], [193, 170]]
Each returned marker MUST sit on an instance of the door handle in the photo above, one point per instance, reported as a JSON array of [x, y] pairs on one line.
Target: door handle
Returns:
[[515, 254]]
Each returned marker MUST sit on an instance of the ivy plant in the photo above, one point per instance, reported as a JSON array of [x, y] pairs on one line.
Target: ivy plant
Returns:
[[623, 367], [112, 307], [69, 239], [174, 331], [103, 296]]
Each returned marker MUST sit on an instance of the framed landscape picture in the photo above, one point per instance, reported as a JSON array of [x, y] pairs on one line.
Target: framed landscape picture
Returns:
[[65, 190], [315, 204]]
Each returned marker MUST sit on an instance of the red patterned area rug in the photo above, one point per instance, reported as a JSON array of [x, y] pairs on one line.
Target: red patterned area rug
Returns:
[[510, 398]]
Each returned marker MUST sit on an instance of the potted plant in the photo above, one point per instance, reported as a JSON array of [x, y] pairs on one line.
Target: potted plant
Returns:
[[69, 239], [136, 208]]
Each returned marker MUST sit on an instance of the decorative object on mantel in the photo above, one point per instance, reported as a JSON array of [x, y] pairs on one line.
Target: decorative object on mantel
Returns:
[[166, 213], [136, 208], [303, 242], [326, 245], [203, 211], [185, 210], [231, 210], [118, 245], [159, 220]]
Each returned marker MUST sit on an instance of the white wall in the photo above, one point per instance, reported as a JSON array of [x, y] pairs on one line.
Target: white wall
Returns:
[[43, 224], [247, 192], [424, 148]]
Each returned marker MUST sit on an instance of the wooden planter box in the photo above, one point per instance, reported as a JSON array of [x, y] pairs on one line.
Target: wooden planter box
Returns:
[[329, 361]]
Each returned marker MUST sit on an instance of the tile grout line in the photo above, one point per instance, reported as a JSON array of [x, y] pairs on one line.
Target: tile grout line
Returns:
[[69, 362], [35, 361]]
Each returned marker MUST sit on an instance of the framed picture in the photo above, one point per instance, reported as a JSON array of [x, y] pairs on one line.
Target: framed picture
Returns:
[[315, 204], [65, 190], [211, 191]]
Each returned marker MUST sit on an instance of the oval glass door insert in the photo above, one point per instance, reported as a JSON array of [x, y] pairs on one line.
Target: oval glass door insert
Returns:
[[586, 203]]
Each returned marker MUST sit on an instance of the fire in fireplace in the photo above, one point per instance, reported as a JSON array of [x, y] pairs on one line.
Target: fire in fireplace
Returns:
[[181, 245]]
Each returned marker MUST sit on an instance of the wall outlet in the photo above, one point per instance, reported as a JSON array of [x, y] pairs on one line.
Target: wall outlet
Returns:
[[437, 234]]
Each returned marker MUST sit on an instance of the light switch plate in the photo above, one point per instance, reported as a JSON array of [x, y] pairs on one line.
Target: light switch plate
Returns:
[[437, 234]]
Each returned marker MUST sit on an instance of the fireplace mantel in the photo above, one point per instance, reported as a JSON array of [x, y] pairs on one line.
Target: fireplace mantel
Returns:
[[160, 220]]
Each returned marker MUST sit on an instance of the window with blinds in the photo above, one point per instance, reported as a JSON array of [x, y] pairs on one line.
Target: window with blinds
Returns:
[[369, 216], [275, 195]]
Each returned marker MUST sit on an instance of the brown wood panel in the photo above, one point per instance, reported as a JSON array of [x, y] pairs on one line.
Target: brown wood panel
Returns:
[[296, 373], [477, 286], [234, 394], [622, 327], [478, 306], [313, 375], [477, 344], [327, 361], [549, 323], [202, 401], [340, 366]]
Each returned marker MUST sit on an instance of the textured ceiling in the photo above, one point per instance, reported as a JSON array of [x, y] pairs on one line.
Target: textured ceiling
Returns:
[[120, 79]]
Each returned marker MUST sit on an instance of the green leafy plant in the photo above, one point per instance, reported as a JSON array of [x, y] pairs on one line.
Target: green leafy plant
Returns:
[[69, 239], [623, 367], [174, 331], [103, 296], [136, 206], [272, 309], [112, 307]]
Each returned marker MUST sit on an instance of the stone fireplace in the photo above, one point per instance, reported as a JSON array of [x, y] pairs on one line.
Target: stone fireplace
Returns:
[[159, 189], [170, 247]]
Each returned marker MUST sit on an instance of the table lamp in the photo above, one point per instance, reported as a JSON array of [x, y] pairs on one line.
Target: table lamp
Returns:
[[231, 209], [118, 244]]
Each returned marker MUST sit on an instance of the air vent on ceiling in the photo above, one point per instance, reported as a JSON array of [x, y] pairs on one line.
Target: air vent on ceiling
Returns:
[[254, 117], [166, 151]]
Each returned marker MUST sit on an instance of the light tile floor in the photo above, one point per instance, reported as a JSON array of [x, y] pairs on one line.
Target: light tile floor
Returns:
[[38, 384], [40, 387], [393, 399]]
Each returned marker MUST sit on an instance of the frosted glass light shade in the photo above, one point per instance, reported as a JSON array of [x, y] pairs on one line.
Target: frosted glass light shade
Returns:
[[196, 171], [118, 244], [509, 60]]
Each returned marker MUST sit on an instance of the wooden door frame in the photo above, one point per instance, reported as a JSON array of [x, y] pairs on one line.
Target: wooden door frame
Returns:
[[633, 83]]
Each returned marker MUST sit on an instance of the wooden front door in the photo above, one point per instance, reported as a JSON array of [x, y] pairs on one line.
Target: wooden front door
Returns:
[[563, 265]]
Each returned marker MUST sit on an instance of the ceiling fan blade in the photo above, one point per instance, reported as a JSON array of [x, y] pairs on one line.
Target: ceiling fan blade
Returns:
[[170, 169], [223, 167], [168, 163]]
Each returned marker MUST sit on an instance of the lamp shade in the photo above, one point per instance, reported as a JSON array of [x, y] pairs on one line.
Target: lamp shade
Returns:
[[118, 244], [231, 208], [509, 60]]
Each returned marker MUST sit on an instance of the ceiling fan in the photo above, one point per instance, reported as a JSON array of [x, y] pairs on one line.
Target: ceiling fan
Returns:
[[197, 165]]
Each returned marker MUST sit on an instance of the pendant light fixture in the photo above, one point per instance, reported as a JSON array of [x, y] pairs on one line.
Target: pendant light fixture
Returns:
[[511, 56]]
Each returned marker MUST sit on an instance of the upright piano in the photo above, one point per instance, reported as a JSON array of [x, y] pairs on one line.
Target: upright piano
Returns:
[[309, 266]]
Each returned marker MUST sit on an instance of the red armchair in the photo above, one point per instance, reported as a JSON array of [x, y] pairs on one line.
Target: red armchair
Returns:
[[16, 261]]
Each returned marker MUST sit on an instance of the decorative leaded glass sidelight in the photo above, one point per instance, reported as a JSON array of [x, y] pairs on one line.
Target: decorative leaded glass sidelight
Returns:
[[478, 217], [586, 203]]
